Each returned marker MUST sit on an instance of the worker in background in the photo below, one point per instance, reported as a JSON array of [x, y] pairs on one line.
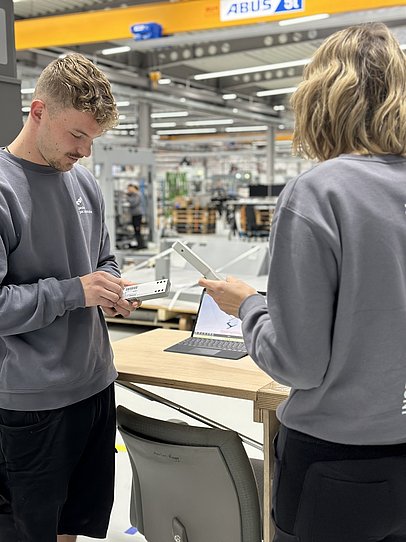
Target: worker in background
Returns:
[[57, 276], [219, 197], [137, 211], [333, 328]]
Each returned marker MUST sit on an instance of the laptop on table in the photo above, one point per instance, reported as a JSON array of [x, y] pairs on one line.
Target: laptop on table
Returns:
[[215, 333]]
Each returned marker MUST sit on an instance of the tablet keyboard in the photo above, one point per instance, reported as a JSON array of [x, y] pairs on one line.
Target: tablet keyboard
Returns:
[[219, 344]]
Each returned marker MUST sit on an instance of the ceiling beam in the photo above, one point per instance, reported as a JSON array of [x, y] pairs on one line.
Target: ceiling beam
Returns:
[[235, 82], [137, 85], [243, 113], [185, 16], [173, 55]]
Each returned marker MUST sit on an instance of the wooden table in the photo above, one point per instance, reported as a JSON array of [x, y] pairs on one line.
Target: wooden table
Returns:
[[141, 359]]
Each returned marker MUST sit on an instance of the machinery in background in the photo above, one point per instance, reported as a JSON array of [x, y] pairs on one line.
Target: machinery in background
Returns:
[[10, 86], [109, 163]]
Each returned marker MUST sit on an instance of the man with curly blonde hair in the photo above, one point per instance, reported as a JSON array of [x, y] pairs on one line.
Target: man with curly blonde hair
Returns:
[[334, 327], [57, 275]]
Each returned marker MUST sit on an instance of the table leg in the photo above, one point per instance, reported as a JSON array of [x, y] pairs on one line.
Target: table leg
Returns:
[[271, 425]]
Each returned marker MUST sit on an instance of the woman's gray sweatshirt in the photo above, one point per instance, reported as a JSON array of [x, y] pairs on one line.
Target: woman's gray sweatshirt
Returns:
[[53, 350], [335, 326]]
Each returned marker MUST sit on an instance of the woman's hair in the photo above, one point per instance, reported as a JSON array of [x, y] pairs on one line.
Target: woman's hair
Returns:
[[74, 81], [353, 96]]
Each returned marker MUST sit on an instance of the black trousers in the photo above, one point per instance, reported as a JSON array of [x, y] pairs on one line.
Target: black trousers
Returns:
[[329, 492], [57, 470], [137, 221]]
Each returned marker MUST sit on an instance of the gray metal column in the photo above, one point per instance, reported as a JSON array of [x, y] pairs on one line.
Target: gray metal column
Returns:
[[144, 125], [11, 120], [270, 157], [148, 172]]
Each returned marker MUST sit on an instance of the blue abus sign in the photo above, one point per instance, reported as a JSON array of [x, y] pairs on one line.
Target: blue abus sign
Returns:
[[230, 10]]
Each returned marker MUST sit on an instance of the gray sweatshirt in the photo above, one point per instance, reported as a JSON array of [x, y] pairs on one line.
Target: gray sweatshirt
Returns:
[[135, 202], [335, 326], [53, 350]]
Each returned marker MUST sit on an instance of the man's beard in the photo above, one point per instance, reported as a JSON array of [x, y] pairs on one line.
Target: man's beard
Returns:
[[59, 164]]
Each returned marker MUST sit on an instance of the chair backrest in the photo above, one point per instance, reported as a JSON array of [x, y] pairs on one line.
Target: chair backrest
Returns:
[[190, 484]]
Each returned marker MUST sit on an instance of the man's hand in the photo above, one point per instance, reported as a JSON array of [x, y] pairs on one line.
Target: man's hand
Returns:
[[101, 288], [125, 310], [122, 307], [228, 294]]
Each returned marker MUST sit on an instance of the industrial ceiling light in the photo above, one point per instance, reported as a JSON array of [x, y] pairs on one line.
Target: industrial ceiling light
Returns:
[[164, 81], [126, 126], [163, 124], [276, 91], [169, 114], [309, 18], [124, 103], [259, 128], [252, 69], [229, 96], [116, 50], [27, 90], [210, 122], [187, 131]]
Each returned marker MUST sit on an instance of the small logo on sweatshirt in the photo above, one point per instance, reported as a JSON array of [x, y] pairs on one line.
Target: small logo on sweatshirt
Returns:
[[81, 206], [404, 402]]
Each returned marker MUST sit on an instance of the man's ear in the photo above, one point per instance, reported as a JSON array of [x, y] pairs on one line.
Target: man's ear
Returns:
[[37, 110]]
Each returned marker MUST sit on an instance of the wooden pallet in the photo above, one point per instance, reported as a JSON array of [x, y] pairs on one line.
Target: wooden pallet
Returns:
[[160, 316], [263, 219], [194, 220], [193, 227]]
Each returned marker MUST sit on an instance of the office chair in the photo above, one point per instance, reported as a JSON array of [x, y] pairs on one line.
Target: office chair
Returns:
[[190, 484]]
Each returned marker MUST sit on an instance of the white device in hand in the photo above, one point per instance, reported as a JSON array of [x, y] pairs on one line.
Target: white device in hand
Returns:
[[147, 290], [196, 261]]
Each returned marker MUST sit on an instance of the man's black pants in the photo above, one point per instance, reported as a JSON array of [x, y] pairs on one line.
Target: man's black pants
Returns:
[[57, 470]]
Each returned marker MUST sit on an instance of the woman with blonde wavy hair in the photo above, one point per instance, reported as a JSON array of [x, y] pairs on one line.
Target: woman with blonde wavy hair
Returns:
[[334, 326]]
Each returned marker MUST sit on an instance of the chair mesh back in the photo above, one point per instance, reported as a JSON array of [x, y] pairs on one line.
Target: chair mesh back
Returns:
[[186, 482], [205, 480]]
